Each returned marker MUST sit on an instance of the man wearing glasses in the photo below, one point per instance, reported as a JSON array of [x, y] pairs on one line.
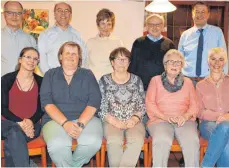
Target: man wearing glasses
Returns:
[[148, 51], [13, 37], [196, 42], [50, 40]]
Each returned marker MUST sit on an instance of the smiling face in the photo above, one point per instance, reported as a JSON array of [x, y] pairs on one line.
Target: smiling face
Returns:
[[200, 15], [105, 27], [120, 63], [173, 65], [70, 57], [29, 60], [13, 14], [63, 15], [216, 62], [154, 26]]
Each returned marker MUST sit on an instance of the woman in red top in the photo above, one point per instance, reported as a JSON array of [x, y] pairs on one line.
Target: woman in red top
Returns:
[[20, 106]]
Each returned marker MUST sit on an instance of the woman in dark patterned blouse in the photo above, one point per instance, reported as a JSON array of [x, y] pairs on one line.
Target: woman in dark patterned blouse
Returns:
[[122, 109]]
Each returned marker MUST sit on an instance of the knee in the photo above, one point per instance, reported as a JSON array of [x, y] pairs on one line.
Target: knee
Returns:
[[162, 141], [114, 139], [57, 145], [15, 132], [94, 142], [191, 143], [138, 139], [224, 126]]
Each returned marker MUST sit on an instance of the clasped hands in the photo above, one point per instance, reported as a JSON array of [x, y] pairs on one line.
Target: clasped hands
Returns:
[[130, 123], [28, 127], [179, 120], [72, 129]]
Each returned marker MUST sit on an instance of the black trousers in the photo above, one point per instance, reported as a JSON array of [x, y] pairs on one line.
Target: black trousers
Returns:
[[15, 143]]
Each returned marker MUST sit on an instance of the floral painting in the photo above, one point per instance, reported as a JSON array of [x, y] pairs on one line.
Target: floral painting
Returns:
[[35, 21]]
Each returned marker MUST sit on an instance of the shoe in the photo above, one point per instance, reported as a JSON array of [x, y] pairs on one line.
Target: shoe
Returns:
[[32, 163], [181, 162]]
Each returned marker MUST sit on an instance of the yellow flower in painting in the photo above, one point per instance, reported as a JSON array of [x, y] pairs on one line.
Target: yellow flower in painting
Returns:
[[38, 29]]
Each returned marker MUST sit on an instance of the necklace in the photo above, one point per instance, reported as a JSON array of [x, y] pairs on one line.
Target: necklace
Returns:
[[121, 81], [22, 88], [217, 82], [68, 75]]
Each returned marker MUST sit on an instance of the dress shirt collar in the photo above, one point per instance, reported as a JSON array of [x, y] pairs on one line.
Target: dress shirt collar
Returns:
[[153, 38], [196, 29], [61, 30], [10, 31]]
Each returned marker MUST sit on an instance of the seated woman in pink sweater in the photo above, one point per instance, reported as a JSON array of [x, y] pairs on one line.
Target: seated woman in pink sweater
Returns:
[[213, 95], [171, 105]]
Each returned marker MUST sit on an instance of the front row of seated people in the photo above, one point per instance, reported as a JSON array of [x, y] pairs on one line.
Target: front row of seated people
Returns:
[[70, 96]]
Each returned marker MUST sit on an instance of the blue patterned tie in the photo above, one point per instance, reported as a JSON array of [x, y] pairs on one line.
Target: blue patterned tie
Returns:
[[199, 53]]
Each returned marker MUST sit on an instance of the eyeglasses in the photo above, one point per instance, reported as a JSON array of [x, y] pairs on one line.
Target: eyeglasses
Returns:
[[172, 62], [107, 24], [31, 58], [120, 60], [200, 12], [154, 25], [11, 13], [65, 11]]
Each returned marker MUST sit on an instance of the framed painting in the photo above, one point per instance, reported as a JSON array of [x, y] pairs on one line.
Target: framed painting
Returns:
[[35, 21]]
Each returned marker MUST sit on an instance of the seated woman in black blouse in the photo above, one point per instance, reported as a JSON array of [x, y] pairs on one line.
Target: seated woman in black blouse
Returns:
[[21, 111]]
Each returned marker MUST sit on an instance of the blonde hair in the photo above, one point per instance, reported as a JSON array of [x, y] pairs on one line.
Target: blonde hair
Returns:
[[173, 52], [157, 16], [217, 50]]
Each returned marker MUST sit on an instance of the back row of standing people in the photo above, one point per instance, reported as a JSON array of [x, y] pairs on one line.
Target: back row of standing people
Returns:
[[147, 51]]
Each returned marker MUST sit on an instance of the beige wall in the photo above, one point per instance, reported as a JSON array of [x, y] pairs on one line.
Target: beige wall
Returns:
[[129, 17]]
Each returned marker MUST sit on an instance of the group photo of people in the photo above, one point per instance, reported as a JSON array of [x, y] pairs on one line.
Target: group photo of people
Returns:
[[100, 92]]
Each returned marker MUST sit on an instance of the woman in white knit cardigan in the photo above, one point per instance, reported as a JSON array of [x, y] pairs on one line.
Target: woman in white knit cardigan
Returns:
[[100, 47]]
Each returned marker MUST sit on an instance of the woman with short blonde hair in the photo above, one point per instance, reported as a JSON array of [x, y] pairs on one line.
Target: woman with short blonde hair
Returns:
[[213, 95]]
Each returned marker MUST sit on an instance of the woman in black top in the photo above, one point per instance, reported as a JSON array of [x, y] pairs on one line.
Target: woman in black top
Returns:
[[20, 106]]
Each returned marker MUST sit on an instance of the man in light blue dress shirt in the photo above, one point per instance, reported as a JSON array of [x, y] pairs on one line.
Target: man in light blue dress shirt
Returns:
[[13, 38], [188, 44], [50, 40]]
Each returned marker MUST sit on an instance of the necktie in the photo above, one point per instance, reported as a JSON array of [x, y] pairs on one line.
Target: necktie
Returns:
[[199, 53]]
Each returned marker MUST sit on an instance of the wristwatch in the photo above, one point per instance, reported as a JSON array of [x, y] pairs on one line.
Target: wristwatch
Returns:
[[81, 125]]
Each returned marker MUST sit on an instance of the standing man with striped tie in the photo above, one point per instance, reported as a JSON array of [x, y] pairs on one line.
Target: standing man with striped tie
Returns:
[[197, 41]]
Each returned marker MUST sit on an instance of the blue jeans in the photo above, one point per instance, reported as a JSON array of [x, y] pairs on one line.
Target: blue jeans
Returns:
[[15, 143], [218, 143]]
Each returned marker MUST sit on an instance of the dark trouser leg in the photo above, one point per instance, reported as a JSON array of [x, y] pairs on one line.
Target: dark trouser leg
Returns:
[[15, 145]]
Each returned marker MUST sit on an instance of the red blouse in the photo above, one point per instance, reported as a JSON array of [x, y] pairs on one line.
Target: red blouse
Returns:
[[23, 104]]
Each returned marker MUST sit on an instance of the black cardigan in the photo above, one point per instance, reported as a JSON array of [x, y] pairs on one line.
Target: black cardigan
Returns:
[[7, 83]]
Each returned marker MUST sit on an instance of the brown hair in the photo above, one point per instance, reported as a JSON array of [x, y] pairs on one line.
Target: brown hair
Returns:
[[200, 3], [105, 14], [122, 51], [23, 51], [71, 44]]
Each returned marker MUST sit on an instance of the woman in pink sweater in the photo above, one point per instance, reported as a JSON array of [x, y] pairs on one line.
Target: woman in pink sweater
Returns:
[[171, 105], [213, 95]]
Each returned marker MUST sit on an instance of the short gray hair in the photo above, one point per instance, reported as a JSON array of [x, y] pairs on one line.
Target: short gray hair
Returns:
[[217, 50], [157, 16], [173, 52]]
